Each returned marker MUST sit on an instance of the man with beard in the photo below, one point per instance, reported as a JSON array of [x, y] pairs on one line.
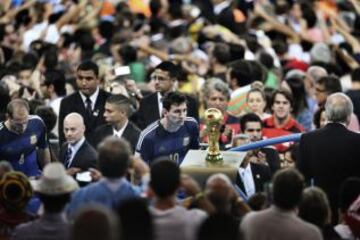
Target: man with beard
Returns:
[[252, 126], [173, 135], [23, 140], [165, 77]]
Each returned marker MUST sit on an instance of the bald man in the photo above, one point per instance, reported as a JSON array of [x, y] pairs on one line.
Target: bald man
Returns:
[[222, 194], [76, 153]]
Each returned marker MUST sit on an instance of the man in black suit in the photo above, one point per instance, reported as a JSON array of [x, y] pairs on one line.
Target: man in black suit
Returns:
[[252, 126], [76, 154], [88, 101], [118, 108], [329, 155], [165, 78], [252, 177]]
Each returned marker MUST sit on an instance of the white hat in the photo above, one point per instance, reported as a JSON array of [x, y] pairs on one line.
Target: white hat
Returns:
[[54, 181]]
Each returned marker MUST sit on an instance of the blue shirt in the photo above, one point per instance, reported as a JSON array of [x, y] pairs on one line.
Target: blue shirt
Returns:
[[101, 193], [20, 149], [155, 141]]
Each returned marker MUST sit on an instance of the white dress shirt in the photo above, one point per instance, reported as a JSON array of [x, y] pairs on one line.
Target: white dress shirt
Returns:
[[119, 133], [160, 104], [248, 180]]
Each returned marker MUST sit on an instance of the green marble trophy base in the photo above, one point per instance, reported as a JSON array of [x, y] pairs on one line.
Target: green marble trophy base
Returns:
[[195, 165]]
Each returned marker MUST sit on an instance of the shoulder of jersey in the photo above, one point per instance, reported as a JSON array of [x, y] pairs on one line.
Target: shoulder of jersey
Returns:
[[147, 131], [191, 120], [1, 125], [32, 117]]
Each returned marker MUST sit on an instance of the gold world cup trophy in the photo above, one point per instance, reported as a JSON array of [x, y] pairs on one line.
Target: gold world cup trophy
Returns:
[[213, 121]]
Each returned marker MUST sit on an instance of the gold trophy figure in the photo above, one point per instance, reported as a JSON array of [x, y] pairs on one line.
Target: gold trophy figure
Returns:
[[213, 121]]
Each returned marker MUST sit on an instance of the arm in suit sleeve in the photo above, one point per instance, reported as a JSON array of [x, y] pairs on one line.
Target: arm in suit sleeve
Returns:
[[193, 108], [62, 115], [302, 160], [272, 158], [140, 114]]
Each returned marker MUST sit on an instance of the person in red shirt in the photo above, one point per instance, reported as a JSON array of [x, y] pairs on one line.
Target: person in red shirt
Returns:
[[281, 123]]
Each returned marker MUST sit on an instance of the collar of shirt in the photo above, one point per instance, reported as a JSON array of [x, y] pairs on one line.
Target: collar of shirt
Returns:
[[221, 6], [120, 132], [160, 104], [246, 170], [113, 183], [93, 97]]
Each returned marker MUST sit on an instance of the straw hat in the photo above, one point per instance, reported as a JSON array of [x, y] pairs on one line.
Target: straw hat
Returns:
[[54, 181]]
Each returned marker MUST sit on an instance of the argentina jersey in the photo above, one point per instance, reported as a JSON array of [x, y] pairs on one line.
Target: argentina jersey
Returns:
[[20, 149], [155, 141]]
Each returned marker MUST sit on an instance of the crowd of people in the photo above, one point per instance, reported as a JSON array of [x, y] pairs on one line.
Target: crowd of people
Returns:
[[100, 101]]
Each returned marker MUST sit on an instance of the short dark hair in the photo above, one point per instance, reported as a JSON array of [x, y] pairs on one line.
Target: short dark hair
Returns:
[[136, 220], [173, 98], [57, 79], [54, 203], [128, 54], [165, 177], [89, 65], [17, 103], [355, 75], [219, 226], [249, 117], [122, 102], [241, 71], [314, 207], [283, 92], [113, 157], [48, 116], [331, 84], [222, 53], [169, 67], [317, 116], [288, 185]]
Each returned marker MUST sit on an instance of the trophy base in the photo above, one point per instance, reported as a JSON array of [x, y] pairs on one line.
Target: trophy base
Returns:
[[195, 165], [216, 158]]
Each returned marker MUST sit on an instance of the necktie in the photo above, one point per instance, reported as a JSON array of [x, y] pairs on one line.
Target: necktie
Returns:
[[68, 157], [88, 107]]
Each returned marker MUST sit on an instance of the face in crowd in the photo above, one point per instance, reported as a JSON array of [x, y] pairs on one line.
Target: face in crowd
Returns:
[[162, 81], [281, 107], [176, 115], [74, 128], [253, 130], [19, 120], [87, 82], [217, 100], [255, 102], [114, 114]]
